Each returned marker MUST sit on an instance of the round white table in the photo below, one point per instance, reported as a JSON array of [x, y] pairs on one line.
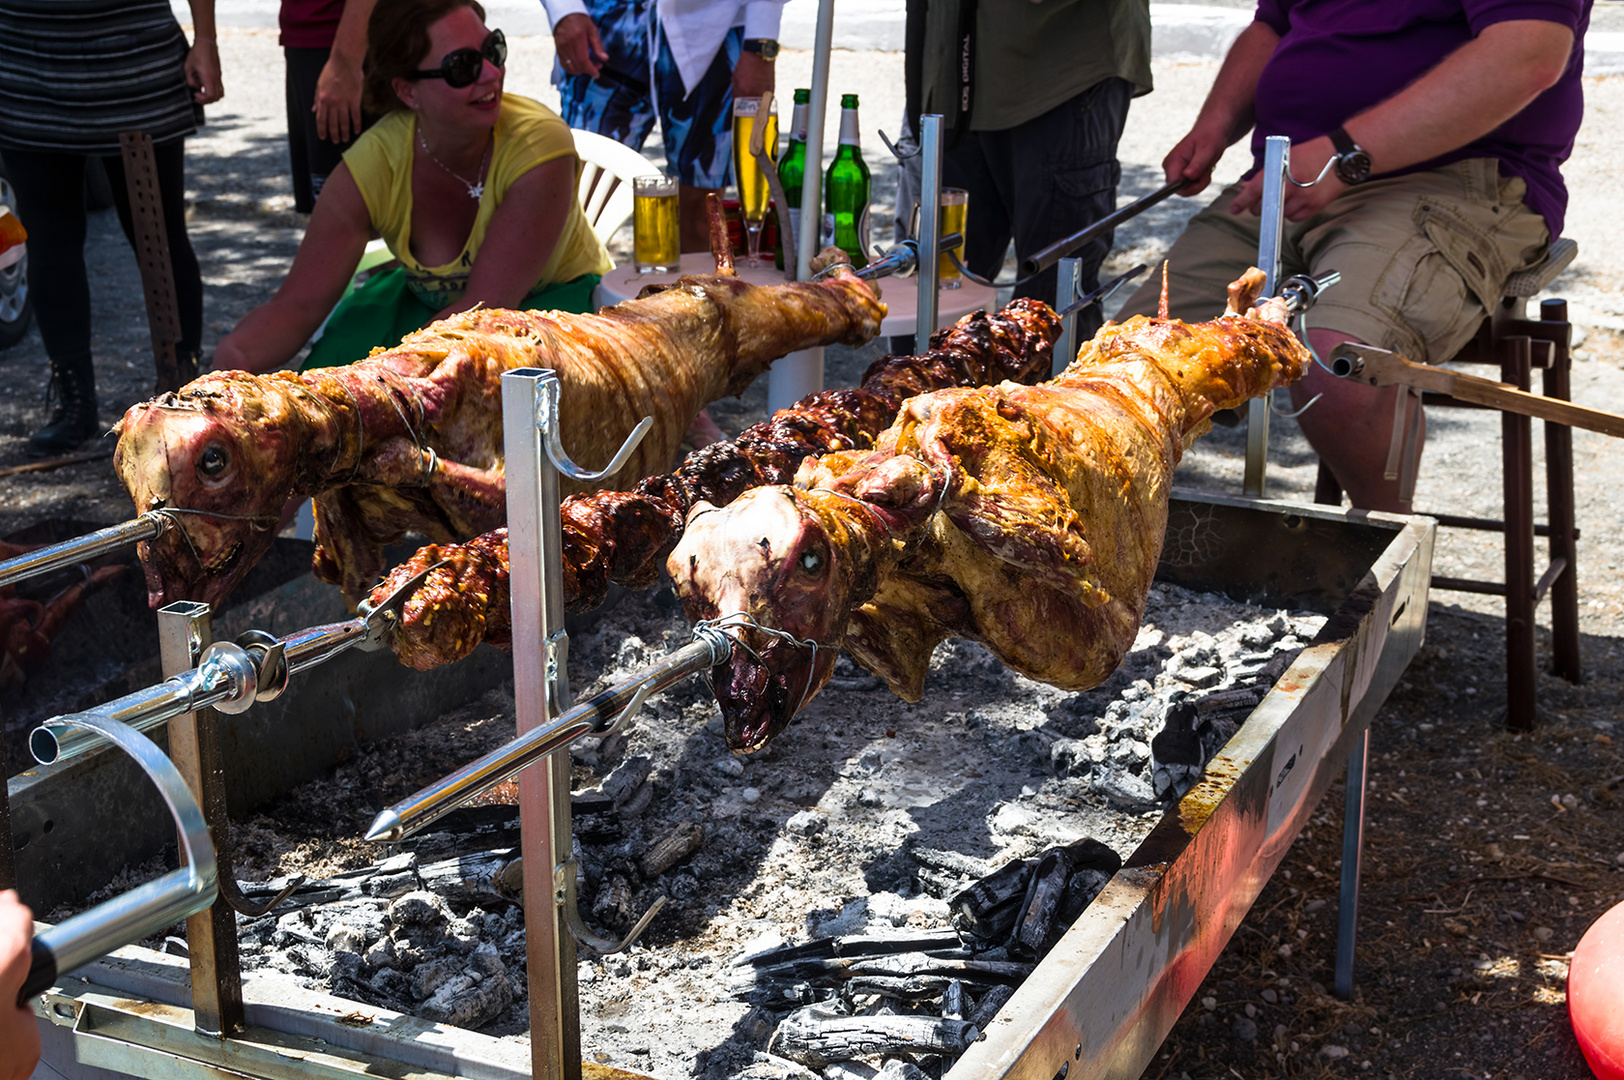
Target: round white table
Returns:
[[801, 373]]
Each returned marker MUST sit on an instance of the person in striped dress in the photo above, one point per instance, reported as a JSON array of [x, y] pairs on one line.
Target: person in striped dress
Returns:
[[74, 75]]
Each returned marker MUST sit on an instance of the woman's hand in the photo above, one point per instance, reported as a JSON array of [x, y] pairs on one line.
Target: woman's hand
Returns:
[[19, 1034], [203, 71]]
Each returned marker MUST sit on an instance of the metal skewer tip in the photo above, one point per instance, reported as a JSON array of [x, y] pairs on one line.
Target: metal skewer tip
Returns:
[[385, 828]]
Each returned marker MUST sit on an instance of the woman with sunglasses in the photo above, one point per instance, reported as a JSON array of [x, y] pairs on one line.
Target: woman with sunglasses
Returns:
[[472, 190]]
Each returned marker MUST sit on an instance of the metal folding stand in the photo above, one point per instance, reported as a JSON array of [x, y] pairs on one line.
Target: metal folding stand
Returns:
[[1068, 287], [534, 457], [1276, 166], [930, 216]]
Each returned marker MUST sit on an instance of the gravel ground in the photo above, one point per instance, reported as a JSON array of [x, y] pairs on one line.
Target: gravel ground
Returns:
[[1488, 854]]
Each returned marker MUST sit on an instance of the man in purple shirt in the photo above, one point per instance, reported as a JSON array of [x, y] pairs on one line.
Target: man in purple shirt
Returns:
[[1445, 123]]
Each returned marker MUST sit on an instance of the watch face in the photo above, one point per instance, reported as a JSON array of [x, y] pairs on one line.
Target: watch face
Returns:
[[1353, 168], [766, 47]]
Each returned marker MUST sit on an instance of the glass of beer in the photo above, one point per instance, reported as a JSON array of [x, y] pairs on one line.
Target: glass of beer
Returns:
[[655, 244], [747, 172], [954, 207]]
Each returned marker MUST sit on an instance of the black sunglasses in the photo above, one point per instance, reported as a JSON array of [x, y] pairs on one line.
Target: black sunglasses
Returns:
[[462, 67]]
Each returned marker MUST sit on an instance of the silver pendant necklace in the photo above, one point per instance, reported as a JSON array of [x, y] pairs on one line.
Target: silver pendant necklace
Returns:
[[475, 191]]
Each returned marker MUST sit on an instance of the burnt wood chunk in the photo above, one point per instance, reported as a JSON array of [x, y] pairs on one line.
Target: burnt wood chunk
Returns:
[[817, 1036]]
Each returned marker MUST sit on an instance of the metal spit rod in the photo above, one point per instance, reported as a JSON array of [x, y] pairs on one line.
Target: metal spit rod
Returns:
[[597, 715], [147, 908], [1061, 249], [148, 526], [1276, 164], [228, 677]]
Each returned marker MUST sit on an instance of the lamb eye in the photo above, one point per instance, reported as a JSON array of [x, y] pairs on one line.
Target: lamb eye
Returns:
[[213, 461], [812, 562]]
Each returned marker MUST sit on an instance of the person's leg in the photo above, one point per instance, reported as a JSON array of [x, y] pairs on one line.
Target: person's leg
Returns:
[[1422, 258], [313, 157], [304, 199], [169, 160], [972, 164], [697, 125], [1066, 164], [616, 104], [50, 202]]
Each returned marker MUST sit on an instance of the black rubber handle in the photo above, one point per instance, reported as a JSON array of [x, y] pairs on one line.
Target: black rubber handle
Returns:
[[41, 974]]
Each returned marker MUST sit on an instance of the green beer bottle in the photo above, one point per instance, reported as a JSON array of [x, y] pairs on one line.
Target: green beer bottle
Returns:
[[791, 171], [845, 190]]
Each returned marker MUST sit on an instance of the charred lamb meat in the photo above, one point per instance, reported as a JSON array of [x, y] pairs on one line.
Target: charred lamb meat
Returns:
[[624, 537], [1027, 518], [411, 438]]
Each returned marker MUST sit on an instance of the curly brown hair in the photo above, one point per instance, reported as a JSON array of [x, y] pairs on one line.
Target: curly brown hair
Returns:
[[397, 38]]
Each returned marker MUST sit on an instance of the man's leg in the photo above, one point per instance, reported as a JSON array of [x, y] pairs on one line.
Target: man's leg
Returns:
[[697, 125], [1350, 426], [1422, 259], [616, 104], [1063, 175], [1215, 248]]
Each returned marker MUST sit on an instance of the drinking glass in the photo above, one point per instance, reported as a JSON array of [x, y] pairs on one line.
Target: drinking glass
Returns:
[[954, 208], [656, 247], [747, 172]]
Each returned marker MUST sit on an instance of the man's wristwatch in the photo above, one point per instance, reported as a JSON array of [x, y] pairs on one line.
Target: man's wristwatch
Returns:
[[766, 48], [1352, 160]]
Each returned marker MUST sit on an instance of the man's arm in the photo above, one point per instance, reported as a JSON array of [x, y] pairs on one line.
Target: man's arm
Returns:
[[1471, 92], [575, 38], [753, 76], [1227, 113], [338, 88]]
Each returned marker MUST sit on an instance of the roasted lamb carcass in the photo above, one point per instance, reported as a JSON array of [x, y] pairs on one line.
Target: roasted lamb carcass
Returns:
[[1027, 518], [411, 438], [624, 537]]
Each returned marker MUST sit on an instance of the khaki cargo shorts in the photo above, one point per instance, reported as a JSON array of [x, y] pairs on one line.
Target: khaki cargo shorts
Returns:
[[1423, 257]]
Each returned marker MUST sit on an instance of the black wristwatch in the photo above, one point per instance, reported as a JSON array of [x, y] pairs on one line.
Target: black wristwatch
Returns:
[[767, 48], [1352, 160]]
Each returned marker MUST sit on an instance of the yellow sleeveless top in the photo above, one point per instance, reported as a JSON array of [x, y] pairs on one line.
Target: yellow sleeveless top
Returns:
[[528, 134]]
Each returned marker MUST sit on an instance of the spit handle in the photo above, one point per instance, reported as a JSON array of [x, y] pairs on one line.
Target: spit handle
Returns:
[[145, 909]]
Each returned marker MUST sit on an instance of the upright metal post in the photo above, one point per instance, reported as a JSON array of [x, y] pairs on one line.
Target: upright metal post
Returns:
[[930, 228], [1276, 160], [8, 857], [1068, 286], [807, 240], [1353, 848], [184, 631], [540, 691]]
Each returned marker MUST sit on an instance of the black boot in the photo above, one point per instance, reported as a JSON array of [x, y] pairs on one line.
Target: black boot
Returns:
[[74, 419]]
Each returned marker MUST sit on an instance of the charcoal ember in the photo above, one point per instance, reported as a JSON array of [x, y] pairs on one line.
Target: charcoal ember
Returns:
[[1040, 923], [987, 911], [817, 1036], [393, 985], [1121, 787], [988, 1004], [613, 904], [1179, 740], [953, 1000], [476, 993], [850, 1070], [1077, 757], [671, 848], [898, 1069], [418, 910], [769, 1067]]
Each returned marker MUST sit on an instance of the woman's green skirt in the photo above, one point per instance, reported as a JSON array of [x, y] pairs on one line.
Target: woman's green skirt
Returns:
[[384, 310]]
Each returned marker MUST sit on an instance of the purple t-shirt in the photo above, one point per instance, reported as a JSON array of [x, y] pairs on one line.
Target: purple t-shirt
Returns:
[[1337, 58]]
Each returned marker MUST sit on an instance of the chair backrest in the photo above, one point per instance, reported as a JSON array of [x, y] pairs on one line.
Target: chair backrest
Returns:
[[605, 189]]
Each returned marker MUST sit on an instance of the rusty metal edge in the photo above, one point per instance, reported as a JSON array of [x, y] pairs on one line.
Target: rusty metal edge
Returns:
[[1103, 1000]]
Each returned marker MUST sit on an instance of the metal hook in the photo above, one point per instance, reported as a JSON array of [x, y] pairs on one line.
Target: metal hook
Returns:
[[547, 420], [892, 147], [1323, 173], [1284, 415], [564, 897]]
